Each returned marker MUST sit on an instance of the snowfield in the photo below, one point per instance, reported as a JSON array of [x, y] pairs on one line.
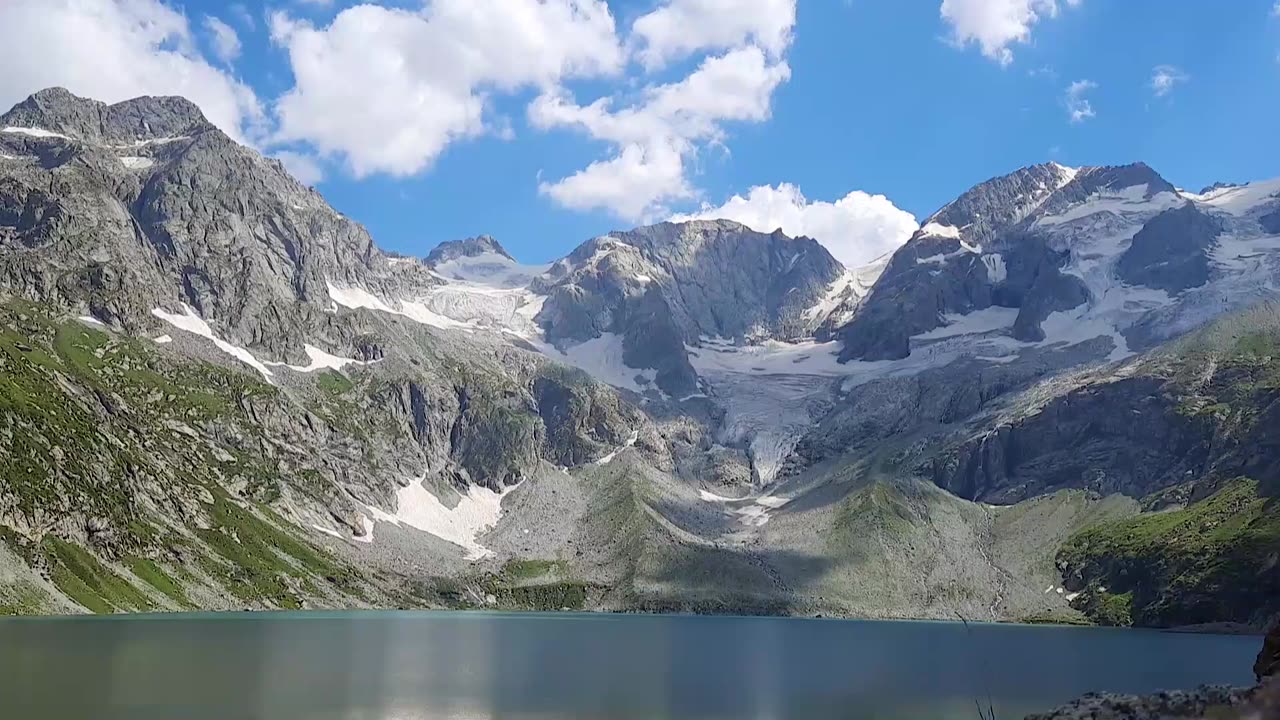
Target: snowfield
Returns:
[[477, 511]]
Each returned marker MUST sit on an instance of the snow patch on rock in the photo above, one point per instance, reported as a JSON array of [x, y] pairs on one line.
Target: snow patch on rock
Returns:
[[329, 531], [601, 358], [940, 230], [134, 162], [477, 511], [34, 132], [978, 322]]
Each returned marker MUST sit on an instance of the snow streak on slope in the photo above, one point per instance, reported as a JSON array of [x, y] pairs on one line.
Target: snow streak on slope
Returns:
[[608, 457], [34, 132], [320, 360], [846, 292], [193, 323], [978, 322], [1125, 201], [357, 297]]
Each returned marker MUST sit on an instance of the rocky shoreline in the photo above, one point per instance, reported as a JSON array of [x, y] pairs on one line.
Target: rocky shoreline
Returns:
[[1260, 702]]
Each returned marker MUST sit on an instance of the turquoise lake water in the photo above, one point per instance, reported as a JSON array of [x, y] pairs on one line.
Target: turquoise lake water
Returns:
[[411, 666]]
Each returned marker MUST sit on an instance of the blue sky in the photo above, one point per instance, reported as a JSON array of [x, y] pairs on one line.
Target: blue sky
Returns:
[[411, 134]]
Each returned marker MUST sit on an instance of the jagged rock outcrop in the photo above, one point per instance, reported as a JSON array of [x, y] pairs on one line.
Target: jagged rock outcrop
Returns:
[[1268, 662], [1171, 251], [667, 285], [1124, 437], [952, 264], [1224, 701]]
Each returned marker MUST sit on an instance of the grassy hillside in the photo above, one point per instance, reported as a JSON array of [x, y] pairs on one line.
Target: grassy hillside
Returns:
[[1206, 550], [133, 481], [1215, 560]]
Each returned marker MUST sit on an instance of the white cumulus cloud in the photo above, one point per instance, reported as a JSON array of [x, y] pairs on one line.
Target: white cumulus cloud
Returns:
[[994, 25], [1079, 108], [655, 137], [681, 27], [389, 89], [855, 229], [1165, 77], [113, 50], [225, 41]]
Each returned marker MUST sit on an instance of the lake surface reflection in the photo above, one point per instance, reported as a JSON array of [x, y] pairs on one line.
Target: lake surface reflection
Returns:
[[384, 665]]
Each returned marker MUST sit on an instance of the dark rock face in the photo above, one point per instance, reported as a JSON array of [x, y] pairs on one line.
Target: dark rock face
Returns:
[[1124, 437], [1217, 186], [666, 285], [1271, 222], [470, 247], [719, 278], [1268, 663], [911, 298], [652, 340], [917, 290], [1050, 291], [996, 205], [582, 419], [1171, 251]]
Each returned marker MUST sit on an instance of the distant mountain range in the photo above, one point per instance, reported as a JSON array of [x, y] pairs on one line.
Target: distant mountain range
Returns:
[[1055, 402]]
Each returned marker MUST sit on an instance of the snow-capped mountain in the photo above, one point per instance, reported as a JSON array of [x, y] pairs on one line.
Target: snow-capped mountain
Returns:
[[1086, 253], [208, 368]]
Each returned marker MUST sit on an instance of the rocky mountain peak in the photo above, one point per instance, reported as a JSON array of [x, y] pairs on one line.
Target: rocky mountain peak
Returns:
[[154, 208], [1107, 180], [1000, 202], [1217, 186], [468, 247], [1113, 178], [57, 110]]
